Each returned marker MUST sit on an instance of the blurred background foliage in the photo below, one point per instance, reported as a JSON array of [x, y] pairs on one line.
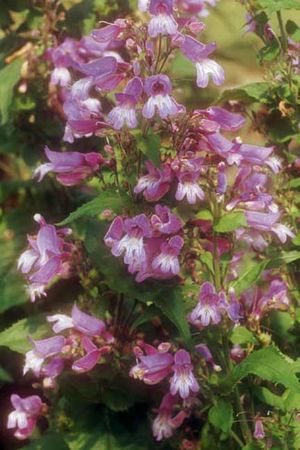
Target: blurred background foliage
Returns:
[[30, 118]]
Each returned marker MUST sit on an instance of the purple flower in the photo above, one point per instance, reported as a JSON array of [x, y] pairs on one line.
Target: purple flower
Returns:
[[124, 114], [268, 222], [208, 309], [183, 380], [25, 414], [85, 323], [259, 432], [195, 6], [132, 243], [156, 183], [83, 112], [164, 424], [110, 33], [143, 5], [71, 167], [164, 222], [162, 21], [188, 187], [206, 354], [93, 354], [51, 371], [166, 261], [198, 53], [42, 350], [154, 366], [227, 120], [49, 256], [158, 88]]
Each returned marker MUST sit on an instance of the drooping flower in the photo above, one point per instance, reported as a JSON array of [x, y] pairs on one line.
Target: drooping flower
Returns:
[[49, 256], [109, 33], [25, 415], [198, 53], [259, 432], [165, 422], [71, 167], [42, 350], [125, 113], [183, 380], [158, 88], [156, 183], [208, 309], [162, 21], [206, 354], [154, 363]]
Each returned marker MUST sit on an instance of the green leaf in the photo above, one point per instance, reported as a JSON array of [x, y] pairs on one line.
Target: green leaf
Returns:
[[266, 396], [205, 214], [106, 200], [221, 416], [241, 335], [207, 259], [272, 6], [9, 77], [117, 399], [49, 441], [145, 317], [248, 277], [284, 258], [4, 375], [270, 52], [149, 146], [293, 30], [171, 302], [230, 222], [250, 93], [271, 365], [16, 336]]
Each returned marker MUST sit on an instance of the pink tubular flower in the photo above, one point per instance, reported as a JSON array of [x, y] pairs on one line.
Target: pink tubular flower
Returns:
[[268, 222], [183, 380], [198, 53], [49, 256], [132, 243], [208, 309], [206, 354], [164, 222], [42, 350], [156, 183], [158, 88], [110, 32], [25, 415], [188, 187], [85, 323], [227, 120], [124, 114], [165, 423], [259, 432], [162, 21], [155, 364], [166, 262], [71, 167]]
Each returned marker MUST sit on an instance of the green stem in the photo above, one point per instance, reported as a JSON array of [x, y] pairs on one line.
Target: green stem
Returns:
[[284, 41], [237, 439]]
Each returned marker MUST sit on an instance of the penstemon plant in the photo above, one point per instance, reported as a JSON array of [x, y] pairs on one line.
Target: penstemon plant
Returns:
[[182, 250]]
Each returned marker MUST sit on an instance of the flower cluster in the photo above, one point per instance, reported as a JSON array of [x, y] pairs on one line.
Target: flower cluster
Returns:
[[151, 247], [87, 341], [49, 256]]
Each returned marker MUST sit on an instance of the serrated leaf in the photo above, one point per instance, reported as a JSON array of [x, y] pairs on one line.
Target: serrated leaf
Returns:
[[230, 222], [241, 335], [9, 77], [49, 441], [221, 416], [271, 365], [106, 200], [16, 336], [250, 93], [248, 277]]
